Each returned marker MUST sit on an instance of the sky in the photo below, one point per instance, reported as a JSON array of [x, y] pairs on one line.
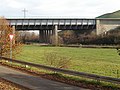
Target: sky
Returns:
[[57, 8]]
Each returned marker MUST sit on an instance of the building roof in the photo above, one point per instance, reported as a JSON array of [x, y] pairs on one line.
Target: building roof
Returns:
[[115, 14]]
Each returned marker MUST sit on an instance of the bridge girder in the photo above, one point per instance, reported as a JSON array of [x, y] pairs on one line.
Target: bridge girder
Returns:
[[43, 24]]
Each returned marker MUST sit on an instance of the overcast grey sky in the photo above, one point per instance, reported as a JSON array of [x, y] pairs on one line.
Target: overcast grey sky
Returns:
[[58, 8]]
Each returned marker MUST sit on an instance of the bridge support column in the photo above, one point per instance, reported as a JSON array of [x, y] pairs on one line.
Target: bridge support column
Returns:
[[45, 36], [48, 36], [55, 34], [98, 27], [41, 39]]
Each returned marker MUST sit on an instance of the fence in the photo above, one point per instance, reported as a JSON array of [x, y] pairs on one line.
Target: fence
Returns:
[[69, 72]]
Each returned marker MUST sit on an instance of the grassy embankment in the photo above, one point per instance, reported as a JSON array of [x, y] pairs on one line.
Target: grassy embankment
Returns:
[[91, 60]]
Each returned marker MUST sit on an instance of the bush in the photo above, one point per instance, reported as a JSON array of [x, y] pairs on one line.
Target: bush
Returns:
[[56, 60]]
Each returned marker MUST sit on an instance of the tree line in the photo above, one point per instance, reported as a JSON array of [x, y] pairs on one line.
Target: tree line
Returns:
[[28, 37], [78, 37]]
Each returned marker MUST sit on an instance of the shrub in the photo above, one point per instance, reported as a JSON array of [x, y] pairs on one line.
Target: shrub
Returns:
[[56, 60]]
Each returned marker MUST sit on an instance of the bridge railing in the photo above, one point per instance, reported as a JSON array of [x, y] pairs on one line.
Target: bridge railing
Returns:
[[51, 21], [69, 72]]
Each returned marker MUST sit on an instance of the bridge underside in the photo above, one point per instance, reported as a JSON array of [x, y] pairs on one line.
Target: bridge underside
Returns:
[[51, 27], [46, 31]]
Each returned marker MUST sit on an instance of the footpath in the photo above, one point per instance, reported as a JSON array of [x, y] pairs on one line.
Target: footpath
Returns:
[[33, 82]]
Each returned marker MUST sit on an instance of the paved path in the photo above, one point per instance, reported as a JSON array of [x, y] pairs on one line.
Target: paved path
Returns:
[[33, 82]]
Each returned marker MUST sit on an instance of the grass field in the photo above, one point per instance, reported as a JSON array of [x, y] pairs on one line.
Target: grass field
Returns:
[[91, 60]]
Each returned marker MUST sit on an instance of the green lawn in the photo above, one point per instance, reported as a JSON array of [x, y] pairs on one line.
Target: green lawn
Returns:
[[98, 61]]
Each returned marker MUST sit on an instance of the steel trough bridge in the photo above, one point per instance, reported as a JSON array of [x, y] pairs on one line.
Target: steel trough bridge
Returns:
[[50, 26]]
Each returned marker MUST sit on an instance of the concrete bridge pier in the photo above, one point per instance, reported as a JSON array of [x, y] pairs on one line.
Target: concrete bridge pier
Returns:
[[41, 38], [55, 35], [45, 35], [49, 35]]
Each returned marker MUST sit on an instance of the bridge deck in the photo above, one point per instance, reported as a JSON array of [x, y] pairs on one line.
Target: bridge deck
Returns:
[[63, 24]]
